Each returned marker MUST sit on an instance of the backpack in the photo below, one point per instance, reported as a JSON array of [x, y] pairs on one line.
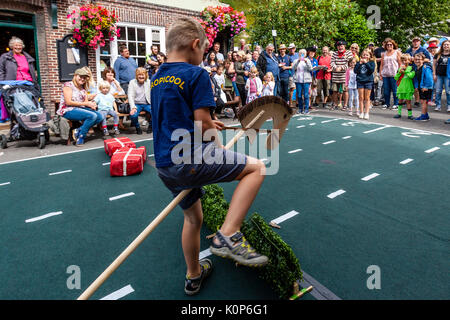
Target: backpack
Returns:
[[24, 104]]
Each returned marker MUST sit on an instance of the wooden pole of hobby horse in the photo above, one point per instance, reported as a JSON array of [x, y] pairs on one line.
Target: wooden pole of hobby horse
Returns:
[[144, 234]]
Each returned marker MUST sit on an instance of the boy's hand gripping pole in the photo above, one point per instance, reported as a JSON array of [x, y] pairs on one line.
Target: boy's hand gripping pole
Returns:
[[144, 234]]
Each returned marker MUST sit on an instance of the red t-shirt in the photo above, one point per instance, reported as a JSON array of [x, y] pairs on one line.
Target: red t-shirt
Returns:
[[23, 69], [324, 61]]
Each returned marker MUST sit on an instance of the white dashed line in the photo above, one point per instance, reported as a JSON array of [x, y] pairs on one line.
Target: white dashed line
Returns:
[[151, 155], [294, 151], [328, 142], [432, 150], [335, 194], [446, 143], [106, 163], [5, 183], [370, 177], [59, 172], [119, 293], [48, 215], [312, 124], [406, 161], [302, 126], [347, 137], [129, 194], [286, 216], [377, 129], [326, 121]]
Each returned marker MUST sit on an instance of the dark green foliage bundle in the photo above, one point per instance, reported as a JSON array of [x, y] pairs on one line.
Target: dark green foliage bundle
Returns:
[[283, 268]]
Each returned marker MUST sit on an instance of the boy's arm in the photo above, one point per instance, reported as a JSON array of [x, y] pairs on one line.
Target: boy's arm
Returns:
[[203, 115]]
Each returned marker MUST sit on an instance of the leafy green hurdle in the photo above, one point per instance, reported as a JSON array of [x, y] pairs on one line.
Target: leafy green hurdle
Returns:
[[283, 269]]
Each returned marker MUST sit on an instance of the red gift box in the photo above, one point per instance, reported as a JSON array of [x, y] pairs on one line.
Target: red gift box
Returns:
[[114, 144], [128, 161]]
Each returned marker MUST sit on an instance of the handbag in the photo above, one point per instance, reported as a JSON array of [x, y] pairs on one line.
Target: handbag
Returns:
[[123, 108]]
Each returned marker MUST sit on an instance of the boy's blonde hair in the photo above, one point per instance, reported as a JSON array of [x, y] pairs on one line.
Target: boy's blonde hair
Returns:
[[270, 76], [183, 32], [254, 70], [104, 84], [248, 56], [406, 57]]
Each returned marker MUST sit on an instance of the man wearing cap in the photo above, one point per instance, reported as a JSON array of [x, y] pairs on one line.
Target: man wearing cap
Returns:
[[378, 90], [292, 57], [412, 51], [432, 49], [339, 66], [284, 62]]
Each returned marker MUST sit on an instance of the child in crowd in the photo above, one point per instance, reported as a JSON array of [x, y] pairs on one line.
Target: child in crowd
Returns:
[[364, 69], [220, 79], [253, 85], [352, 88], [184, 104], [106, 106], [268, 84], [405, 85], [313, 92], [248, 65], [423, 81]]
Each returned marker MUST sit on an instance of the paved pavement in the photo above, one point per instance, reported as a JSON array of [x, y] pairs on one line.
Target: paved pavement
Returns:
[[28, 149]]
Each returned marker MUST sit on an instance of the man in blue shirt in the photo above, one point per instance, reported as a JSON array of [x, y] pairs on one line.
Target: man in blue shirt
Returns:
[[412, 51], [292, 56], [125, 68], [268, 62], [284, 63]]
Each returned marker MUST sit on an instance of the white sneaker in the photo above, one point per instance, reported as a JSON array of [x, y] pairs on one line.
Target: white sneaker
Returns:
[[350, 113], [437, 109], [395, 107], [361, 115], [385, 107], [366, 116]]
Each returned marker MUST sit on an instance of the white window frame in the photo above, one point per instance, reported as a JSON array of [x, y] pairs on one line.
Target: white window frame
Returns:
[[148, 43]]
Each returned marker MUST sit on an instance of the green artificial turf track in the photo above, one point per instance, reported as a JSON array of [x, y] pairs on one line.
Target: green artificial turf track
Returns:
[[398, 220]]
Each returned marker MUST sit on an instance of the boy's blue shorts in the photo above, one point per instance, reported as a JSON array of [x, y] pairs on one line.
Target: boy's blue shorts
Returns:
[[183, 176]]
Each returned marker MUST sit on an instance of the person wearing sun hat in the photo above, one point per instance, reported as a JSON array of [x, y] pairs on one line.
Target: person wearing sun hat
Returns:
[[292, 56], [74, 105], [284, 63]]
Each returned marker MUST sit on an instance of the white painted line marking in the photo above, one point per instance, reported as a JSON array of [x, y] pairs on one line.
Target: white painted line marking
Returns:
[[328, 142], [302, 126], [262, 133], [5, 183], [119, 293], [312, 124], [406, 161], [48, 215], [294, 151], [1, 153], [377, 129], [335, 194], [326, 121], [370, 177], [204, 254], [129, 194], [106, 163], [432, 150], [446, 143], [59, 172], [286, 216], [347, 137], [151, 155]]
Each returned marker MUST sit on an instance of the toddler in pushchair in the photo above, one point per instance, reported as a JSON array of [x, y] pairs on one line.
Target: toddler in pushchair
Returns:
[[27, 112]]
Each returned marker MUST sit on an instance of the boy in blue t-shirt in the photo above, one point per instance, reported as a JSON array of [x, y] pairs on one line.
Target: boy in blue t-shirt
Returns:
[[105, 105], [182, 95]]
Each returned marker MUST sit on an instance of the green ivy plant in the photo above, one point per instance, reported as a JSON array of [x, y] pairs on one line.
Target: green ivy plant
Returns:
[[283, 268]]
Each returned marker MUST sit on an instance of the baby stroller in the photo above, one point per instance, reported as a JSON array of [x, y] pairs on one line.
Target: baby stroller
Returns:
[[27, 112]]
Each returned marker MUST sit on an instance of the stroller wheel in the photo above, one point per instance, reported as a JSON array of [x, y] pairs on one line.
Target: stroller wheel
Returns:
[[41, 141], [3, 141]]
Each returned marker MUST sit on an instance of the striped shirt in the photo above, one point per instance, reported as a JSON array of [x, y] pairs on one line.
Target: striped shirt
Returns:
[[341, 61]]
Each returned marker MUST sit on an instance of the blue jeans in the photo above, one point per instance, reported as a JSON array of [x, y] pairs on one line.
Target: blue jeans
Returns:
[[284, 89], [442, 82], [140, 107], [89, 117], [390, 85], [302, 90]]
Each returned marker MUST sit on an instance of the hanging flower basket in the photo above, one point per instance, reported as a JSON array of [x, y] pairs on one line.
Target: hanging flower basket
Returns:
[[222, 19], [92, 25]]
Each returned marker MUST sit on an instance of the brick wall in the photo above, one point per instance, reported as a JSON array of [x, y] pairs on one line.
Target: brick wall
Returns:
[[127, 11]]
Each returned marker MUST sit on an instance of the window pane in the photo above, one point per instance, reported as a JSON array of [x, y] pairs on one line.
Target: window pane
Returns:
[[104, 62], [155, 35], [141, 34], [141, 49], [123, 33], [141, 62], [132, 48], [106, 49], [131, 33]]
